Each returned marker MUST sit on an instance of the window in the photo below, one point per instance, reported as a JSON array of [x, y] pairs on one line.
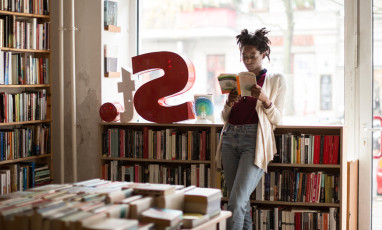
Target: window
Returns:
[[308, 52]]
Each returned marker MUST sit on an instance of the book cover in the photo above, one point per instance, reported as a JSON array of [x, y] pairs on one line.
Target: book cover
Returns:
[[204, 108], [227, 82], [110, 13]]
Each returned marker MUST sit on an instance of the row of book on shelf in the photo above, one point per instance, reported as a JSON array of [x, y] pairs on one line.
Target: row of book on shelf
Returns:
[[169, 144], [22, 176], [24, 33], [26, 6], [23, 69], [101, 204], [25, 106], [24, 142], [192, 174], [307, 149], [297, 219], [292, 186]]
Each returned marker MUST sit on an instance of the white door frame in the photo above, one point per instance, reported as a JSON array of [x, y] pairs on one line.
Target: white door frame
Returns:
[[359, 99]]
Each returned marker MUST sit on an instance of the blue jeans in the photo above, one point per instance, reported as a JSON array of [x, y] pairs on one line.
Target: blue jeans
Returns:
[[240, 173]]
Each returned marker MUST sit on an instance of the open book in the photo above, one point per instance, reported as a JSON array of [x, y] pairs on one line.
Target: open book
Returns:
[[241, 82]]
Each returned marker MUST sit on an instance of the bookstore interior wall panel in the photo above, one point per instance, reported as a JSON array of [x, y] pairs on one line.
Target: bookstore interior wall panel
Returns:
[[303, 184], [25, 95]]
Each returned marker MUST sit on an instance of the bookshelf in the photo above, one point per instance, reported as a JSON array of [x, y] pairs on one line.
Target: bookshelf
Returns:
[[202, 135], [332, 187], [25, 95], [338, 169]]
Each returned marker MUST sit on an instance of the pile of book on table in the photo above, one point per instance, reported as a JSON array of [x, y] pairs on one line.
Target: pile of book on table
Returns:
[[102, 204]]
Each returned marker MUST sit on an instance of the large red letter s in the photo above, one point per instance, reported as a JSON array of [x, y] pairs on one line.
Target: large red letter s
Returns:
[[150, 98]]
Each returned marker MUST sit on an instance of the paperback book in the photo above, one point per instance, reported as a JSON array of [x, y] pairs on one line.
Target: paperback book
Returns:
[[241, 82]]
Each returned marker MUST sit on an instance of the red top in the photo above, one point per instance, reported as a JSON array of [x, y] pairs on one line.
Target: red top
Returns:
[[244, 112]]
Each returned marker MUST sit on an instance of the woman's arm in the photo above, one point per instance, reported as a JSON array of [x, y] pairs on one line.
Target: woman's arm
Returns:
[[232, 98]]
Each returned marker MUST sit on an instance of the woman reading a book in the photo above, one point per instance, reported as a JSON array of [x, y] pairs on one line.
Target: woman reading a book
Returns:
[[247, 141]]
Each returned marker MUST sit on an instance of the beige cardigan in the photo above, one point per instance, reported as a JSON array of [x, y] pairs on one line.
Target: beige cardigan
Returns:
[[275, 88]]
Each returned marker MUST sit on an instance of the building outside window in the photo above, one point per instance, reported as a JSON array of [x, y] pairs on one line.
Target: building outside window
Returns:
[[303, 50]]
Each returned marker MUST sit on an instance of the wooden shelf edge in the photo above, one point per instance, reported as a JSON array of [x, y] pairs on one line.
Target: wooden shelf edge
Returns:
[[25, 122], [317, 166], [25, 159], [285, 203], [24, 50], [188, 124], [25, 14], [113, 74], [26, 86], [112, 28], [155, 160]]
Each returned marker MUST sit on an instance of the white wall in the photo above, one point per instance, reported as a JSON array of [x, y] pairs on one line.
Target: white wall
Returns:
[[88, 76]]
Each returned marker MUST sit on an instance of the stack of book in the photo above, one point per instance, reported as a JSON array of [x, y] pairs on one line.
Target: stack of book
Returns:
[[102, 204], [201, 204]]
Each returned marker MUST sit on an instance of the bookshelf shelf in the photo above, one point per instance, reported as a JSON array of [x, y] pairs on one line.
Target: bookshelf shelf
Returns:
[[25, 122], [155, 160], [112, 28], [25, 50], [305, 204], [113, 74], [25, 159], [29, 63], [25, 14], [26, 86], [312, 166], [292, 204]]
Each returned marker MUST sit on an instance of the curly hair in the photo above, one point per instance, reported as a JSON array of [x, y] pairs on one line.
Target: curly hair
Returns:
[[258, 39]]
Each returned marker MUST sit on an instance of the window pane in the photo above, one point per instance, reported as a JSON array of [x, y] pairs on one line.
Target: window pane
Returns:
[[308, 52]]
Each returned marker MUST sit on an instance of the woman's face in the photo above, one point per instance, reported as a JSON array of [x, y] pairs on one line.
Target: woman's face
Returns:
[[252, 59]]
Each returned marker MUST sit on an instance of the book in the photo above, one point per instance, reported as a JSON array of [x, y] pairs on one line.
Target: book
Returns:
[[172, 201], [203, 200], [110, 12], [162, 217], [139, 206], [245, 81], [241, 82], [154, 189], [227, 82], [192, 220], [112, 224], [204, 108]]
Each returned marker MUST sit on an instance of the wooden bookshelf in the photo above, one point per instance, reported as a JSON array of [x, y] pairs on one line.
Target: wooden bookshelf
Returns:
[[214, 130], [25, 132], [165, 162]]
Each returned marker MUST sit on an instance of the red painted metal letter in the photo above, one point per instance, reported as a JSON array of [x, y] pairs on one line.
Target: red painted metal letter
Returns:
[[150, 98]]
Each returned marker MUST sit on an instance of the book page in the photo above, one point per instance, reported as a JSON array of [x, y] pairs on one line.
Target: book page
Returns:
[[245, 81]]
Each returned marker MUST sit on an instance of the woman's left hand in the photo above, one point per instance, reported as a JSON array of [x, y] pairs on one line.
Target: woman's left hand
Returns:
[[257, 92]]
